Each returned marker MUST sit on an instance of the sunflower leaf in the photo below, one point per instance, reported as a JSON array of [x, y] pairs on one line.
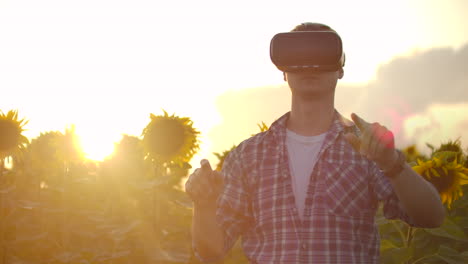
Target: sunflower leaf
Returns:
[[450, 230]]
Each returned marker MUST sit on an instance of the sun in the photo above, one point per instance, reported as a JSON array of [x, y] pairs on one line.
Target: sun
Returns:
[[96, 147]]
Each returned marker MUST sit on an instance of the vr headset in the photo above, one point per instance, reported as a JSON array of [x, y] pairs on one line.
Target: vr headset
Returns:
[[307, 51]]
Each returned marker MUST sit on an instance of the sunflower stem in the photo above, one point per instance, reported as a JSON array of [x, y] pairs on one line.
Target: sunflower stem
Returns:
[[409, 236], [402, 235]]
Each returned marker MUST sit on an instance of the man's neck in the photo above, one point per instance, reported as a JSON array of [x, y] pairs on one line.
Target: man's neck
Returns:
[[310, 117]]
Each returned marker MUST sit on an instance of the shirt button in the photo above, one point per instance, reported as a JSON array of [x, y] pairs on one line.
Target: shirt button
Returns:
[[304, 246]]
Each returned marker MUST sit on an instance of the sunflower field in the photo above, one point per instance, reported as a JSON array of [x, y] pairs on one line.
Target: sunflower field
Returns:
[[58, 207]]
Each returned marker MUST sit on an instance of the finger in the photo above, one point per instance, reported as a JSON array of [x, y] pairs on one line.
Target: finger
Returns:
[[375, 143], [197, 183], [205, 165], [360, 123], [388, 140], [384, 140], [200, 189]]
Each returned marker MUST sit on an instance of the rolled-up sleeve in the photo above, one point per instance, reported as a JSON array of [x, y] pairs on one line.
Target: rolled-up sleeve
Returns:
[[234, 210], [385, 193]]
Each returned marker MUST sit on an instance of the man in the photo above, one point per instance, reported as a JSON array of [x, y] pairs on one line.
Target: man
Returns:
[[307, 190]]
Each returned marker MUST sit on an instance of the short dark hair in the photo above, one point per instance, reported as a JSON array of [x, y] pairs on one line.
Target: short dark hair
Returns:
[[312, 26]]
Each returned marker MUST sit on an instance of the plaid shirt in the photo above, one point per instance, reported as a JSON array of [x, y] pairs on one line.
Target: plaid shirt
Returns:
[[342, 198]]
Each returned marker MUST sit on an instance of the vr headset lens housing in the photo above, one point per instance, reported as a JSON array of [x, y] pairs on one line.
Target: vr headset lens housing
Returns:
[[307, 50]]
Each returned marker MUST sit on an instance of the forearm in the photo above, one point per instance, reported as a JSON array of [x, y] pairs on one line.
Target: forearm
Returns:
[[419, 198], [208, 237]]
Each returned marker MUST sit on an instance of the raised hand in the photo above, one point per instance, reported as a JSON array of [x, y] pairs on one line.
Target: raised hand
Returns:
[[376, 142], [204, 185]]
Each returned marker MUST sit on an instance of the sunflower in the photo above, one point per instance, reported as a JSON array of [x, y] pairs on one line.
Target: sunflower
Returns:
[[451, 146], [445, 173], [412, 154], [12, 141], [222, 156], [262, 126], [41, 153], [170, 138]]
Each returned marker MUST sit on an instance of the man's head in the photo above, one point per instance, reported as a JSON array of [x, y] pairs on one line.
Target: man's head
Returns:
[[308, 46], [311, 26], [313, 80]]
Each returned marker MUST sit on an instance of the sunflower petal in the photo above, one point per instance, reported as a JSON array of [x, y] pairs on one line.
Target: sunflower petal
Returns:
[[434, 172]]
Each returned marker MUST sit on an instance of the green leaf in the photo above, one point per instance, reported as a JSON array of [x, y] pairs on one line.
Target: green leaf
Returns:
[[462, 221], [450, 260], [447, 251], [386, 244], [448, 230], [450, 255], [422, 241], [396, 255]]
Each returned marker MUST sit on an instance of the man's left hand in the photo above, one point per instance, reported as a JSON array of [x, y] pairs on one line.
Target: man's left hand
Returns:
[[376, 142]]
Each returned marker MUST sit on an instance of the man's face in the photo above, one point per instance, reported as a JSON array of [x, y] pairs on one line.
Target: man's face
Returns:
[[313, 83]]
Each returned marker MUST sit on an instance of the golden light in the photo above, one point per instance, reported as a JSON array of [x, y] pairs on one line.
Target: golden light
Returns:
[[96, 147]]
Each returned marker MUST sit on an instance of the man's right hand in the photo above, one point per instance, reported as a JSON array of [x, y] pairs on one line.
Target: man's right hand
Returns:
[[204, 185]]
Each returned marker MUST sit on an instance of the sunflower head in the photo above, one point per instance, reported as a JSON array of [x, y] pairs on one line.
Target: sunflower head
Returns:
[[51, 150], [42, 151], [170, 138], [445, 173], [129, 148], [221, 157], [453, 149], [412, 154], [11, 138]]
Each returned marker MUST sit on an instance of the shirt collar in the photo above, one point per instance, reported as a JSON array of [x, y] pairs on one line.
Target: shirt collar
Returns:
[[338, 125], [278, 130]]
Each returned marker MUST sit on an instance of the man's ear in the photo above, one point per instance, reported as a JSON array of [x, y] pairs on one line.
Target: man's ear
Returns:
[[340, 73]]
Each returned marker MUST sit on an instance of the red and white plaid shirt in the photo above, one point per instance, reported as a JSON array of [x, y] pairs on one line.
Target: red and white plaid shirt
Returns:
[[342, 198]]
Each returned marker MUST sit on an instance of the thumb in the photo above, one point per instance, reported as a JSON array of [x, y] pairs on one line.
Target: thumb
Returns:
[[205, 165], [353, 140]]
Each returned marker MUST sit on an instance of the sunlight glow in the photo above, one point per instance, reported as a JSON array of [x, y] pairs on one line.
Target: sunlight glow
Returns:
[[116, 61], [96, 148], [437, 124]]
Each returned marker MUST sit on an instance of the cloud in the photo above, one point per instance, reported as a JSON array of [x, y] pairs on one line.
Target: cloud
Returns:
[[430, 87], [412, 85], [438, 124]]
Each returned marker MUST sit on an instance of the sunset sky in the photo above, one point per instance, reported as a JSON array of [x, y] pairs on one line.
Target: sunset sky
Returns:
[[106, 65]]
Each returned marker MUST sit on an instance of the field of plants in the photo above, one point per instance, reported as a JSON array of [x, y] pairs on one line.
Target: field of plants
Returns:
[[58, 207]]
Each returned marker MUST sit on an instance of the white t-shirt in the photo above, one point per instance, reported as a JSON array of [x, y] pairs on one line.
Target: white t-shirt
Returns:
[[303, 153]]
